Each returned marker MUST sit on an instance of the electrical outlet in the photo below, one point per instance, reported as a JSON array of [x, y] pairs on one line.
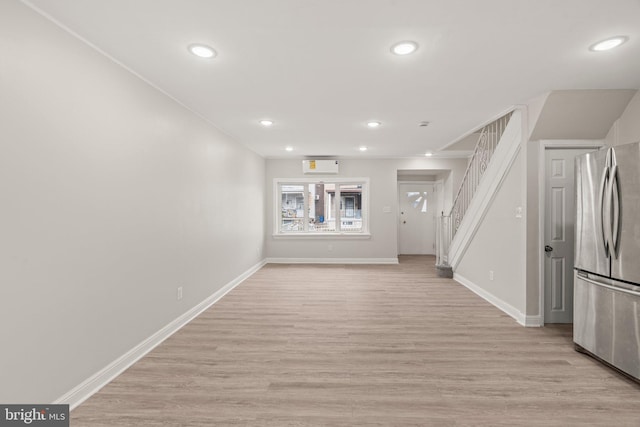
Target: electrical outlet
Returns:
[[490, 274], [179, 293]]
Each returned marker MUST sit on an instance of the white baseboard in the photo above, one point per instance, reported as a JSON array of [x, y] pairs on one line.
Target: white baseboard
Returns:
[[91, 385], [332, 260], [533, 321], [520, 317]]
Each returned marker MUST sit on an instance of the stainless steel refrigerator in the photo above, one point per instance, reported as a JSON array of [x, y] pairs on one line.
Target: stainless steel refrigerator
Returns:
[[606, 319]]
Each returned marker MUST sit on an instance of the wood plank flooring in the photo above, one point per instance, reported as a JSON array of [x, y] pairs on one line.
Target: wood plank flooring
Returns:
[[320, 345]]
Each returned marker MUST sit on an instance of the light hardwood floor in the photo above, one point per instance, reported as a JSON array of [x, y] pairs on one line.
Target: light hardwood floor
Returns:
[[303, 345]]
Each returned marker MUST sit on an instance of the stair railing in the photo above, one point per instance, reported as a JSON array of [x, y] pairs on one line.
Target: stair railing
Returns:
[[487, 142]]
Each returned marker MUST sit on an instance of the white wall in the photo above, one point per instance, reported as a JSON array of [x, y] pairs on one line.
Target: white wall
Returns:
[[499, 244], [579, 114], [534, 109], [112, 195], [626, 129], [383, 243]]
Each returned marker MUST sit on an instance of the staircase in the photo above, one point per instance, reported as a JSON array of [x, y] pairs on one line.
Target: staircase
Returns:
[[495, 151]]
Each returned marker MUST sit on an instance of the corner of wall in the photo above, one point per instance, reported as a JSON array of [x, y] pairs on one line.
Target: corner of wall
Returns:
[[534, 109], [626, 129]]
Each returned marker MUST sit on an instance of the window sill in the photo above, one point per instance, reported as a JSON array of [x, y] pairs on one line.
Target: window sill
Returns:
[[341, 236]]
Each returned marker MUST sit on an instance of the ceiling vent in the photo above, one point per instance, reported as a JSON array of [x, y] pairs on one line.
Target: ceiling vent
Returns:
[[320, 166]]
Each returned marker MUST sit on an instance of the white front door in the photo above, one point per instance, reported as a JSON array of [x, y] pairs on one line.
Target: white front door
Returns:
[[559, 234], [417, 210]]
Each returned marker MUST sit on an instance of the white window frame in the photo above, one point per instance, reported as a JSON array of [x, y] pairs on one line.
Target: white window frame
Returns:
[[277, 210]]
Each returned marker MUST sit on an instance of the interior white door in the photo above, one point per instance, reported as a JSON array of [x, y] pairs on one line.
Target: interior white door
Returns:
[[417, 210], [559, 234]]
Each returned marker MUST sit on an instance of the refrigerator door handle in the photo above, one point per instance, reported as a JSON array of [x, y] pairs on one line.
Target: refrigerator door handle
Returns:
[[615, 210], [604, 285], [603, 210]]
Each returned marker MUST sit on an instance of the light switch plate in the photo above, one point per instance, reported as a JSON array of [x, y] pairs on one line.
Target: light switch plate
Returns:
[[519, 212]]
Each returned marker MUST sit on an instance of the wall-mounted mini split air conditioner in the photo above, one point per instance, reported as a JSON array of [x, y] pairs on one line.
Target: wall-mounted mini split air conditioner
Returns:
[[320, 166]]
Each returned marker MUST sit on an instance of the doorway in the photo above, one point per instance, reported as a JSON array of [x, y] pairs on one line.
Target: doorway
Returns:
[[558, 232], [418, 205]]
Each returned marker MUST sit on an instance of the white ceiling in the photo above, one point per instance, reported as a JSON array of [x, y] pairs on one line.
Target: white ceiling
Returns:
[[320, 69]]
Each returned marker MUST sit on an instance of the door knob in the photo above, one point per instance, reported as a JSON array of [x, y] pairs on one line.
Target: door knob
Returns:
[[404, 222], [548, 248]]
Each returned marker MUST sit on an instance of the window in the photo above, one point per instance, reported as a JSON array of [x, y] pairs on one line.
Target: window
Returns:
[[418, 199], [321, 207]]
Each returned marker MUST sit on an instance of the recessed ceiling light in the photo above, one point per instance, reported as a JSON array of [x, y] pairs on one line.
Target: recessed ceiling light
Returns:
[[404, 48], [203, 51], [373, 124], [608, 44], [266, 122], [363, 148], [428, 154], [289, 148]]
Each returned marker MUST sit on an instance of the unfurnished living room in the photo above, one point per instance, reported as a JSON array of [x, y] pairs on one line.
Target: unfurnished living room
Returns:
[[320, 213]]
